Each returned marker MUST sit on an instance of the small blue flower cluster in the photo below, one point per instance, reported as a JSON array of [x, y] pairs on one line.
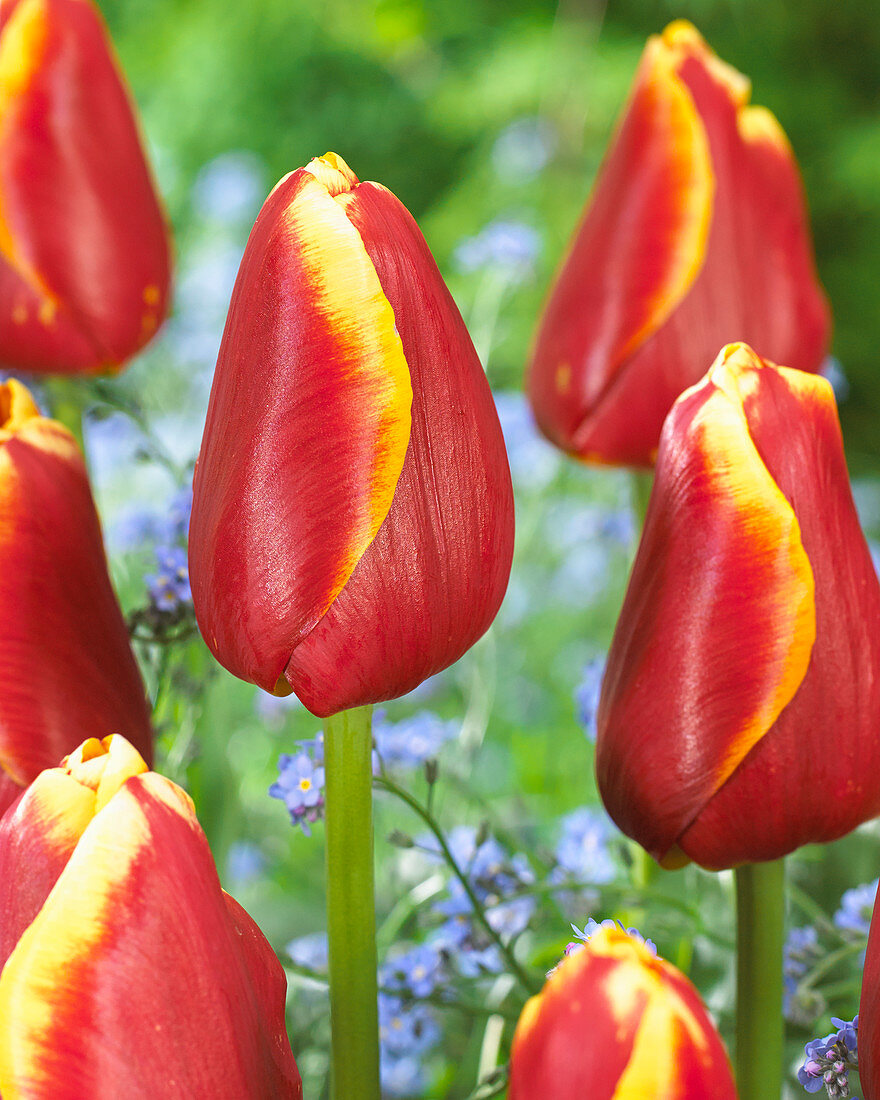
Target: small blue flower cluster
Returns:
[[801, 951], [583, 854], [828, 1061], [407, 1032], [587, 694], [411, 741], [856, 909], [510, 247], [169, 587], [590, 929], [300, 783], [493, 877]]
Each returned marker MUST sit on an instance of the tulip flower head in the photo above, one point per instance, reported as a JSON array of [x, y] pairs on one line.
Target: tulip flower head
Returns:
[[352, 525], [125, 970], [695, 235], [615, 1022], [741, 701], [84, 264], [67, 671]]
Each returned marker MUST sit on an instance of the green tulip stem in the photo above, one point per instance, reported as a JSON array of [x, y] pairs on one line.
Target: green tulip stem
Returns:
[[351, 911], [760, 913], [640, 489], [66, 398]]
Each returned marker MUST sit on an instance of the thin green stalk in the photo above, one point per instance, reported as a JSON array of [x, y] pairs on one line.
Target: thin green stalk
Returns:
[[351, 911], [760, 918], [67, 397], [528, 982]]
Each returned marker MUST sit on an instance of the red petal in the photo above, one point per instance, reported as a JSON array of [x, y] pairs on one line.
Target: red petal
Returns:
[[869, 1015], [39, 835], [634, 257], [816, 775], [718, 622], [85, 267], [432, 581], [306, 435], [616, 1023], [135, 978], [66, 666], [757, 282]]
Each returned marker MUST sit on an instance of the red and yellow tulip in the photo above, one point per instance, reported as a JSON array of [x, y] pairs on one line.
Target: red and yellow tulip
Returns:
[[741, 702], [695, 235], [126, 970], [614, 1022], [67, 671], [84, 264], [352, 525]]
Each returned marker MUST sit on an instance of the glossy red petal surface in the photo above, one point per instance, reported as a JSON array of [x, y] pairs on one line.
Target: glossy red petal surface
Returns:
[[634, 256], [718, 621], [37, 838], [757, 282], [307, 432], [869, 1016], [431, 582], [136, 977], [84, 264], [816, 775], [9, 791], [66, 666], [616, 1023]]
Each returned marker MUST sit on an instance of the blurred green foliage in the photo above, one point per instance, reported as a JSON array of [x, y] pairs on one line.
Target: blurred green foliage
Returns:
[[415, 94]]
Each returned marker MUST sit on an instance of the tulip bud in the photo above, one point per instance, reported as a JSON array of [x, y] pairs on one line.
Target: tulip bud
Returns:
[[741, 701], [125, 970], [695, 235], [352, 524], [66, 667], [84, 263], [614, 1022]]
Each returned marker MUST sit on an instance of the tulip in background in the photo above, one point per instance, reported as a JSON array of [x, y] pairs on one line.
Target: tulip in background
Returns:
[[84, 263], [614, 1022], [695, 235], [352, 523], [67, 671], [126, 970]]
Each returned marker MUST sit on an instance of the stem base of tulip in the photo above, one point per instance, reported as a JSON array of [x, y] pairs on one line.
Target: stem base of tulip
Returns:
[[351, 913], [760, 1028]]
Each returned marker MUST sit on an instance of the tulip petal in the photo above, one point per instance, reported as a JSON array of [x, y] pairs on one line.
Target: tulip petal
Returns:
[[822, 758], [756, 280], [157, 997], [432, 580], [66, 664], [84, 264], [300, 458], [634, 257], [721, 559], [616, 1023], [37, 838]]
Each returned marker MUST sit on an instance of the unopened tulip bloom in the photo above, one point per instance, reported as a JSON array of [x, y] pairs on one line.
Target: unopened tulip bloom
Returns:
[[126, 970], [741, 702], [695, 235], [869, 1015], [614, 1022], [352, 524], [84, 263], [67, 671]]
